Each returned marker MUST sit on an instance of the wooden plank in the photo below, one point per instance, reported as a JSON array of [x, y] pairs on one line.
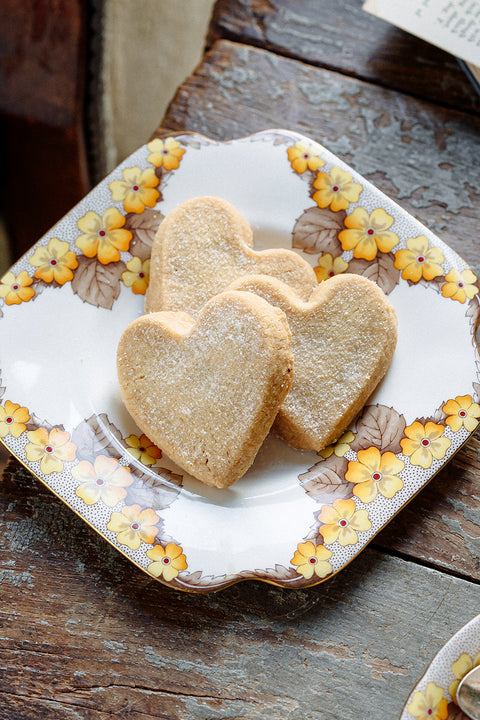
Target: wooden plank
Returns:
[[42, 143], [85, 634], [41, 60], [341, 36], [419, 154], [55, 162]]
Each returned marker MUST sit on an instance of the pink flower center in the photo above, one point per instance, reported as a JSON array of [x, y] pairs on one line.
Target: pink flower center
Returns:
[[9, 420], [335, 188], [420, 259], [135, 526], [135, 188], [53, 262], [49, 449], [312, 560], [343, 523], [370, 231], [100, 481], [377, 476], [166, 561], [15, 287], [425, 442], [102, 233]]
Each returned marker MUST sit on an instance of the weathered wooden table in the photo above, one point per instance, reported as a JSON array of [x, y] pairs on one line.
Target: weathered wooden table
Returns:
[[86, 635]]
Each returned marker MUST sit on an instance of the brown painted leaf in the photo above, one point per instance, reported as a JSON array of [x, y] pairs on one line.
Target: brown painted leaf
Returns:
[[275, 138], [163, 474], [147, 496], [35, 422], [198, 580], [473, 310], [279, 572], [97, 284], [325, 481], [316, 231], [143, 227], [96, 436], [381, 270], [151, 490], [192, 578], [381, 427], [476, 389], [438, 417]]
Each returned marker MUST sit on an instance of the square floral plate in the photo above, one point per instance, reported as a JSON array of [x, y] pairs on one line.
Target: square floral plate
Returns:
[[295, 518], [435, 694]]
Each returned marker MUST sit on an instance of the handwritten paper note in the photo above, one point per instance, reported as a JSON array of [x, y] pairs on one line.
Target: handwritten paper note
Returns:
[[453, 25]]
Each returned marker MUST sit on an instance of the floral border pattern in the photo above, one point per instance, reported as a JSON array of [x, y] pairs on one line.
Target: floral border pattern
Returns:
[[371, 464]]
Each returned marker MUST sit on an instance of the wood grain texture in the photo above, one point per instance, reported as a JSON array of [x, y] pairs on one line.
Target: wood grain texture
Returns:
[[341, 36], [419, 154], [41, 60], [84, 634]]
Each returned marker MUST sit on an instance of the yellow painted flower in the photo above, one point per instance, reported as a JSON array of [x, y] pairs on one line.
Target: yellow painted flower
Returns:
[[105, 480], [340, 447], [424, 443], [54, 262], [336, 189], [367, 233], [419, 260], [429, 705], [137, 275], [460, 668], [375, 473], [328, 267], [167, 562], [16, 288], [52, 449], [302, 158], [342, 522], [165, 153], [462, 412], [312, 559], [143, 449], [136, 190], [13, 419], [460, 286], [104, 237], [134, 526]]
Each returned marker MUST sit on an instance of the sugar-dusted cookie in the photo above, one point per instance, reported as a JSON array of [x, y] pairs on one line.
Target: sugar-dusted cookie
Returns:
[[207, 391], [343, 340], [203, 245]]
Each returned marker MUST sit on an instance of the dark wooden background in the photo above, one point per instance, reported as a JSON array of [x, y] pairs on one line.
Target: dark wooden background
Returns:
[[83, 633]]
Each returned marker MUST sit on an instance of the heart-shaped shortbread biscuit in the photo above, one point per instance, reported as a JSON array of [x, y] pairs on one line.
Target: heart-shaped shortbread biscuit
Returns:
[[207, 391], [343, 340], [203, 245]]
